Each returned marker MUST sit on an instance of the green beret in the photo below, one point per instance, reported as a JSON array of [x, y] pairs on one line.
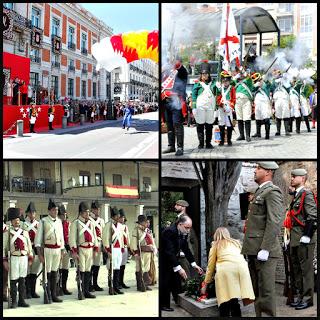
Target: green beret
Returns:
[[299, 172], [268, 165], [182, 203]]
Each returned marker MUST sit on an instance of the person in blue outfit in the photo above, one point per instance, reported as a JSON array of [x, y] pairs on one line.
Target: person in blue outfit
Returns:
[[128, 112]]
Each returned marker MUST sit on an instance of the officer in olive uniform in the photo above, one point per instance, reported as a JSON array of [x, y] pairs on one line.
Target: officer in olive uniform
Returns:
[[65, 261], [98, 226], [302, 223], [261, 239], [50, 237], [143, 247], [83, 243], [31, 226], [20, 256], [112, 239]]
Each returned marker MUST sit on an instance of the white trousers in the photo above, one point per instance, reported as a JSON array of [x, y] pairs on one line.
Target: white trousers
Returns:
[[262, 107], [223, 117], [36, 265], [65, 261], [85, 259], [18, 267], [243, 107], [203, 114], [52, 259], [124, 257], [116, 259], [305, 107], [295, 106], [281, 105]]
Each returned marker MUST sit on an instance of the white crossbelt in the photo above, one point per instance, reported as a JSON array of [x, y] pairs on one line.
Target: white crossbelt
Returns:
[[16, 235], [224, 94], [52, 229], [116, 233], [32, 226], [170, 78], [85, 227], [143, 236]]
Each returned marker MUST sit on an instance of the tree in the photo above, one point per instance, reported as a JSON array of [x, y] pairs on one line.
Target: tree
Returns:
[[218, 180], [167, 208], [285, 42]]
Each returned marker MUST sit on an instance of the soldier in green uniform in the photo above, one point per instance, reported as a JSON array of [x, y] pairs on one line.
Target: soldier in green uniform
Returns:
[[301, 221], [305, 92], [261, 240], [243, 107]]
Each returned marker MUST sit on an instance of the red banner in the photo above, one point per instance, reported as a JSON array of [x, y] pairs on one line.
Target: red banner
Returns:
[[13, 113], [19, 66]]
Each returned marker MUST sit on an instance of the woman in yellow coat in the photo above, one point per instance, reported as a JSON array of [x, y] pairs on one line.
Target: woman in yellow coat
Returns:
[[230, 271]]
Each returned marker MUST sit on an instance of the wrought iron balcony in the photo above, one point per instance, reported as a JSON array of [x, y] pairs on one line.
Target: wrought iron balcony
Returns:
[[19, 21], [84, 51], [35, 59], [55, 64], [71, 68], [95, 73], [84, 71], [26, 184], [72, 46]]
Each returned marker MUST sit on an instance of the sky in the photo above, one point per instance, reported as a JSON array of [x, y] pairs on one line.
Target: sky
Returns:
[[124, 17]]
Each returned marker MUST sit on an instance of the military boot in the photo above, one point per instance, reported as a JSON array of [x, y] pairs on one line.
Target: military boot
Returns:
[[87, 278], [235, 308], [33, 281], [13, 293], [291, 124], [180, 135], [267, 128], [229, 135], [122, 284], [28, 286], [146, 280], [22, 293], [298, 124], [241, 130], [65, 273], [95, 273], [171, 143], [258, 129], [306, 120], [209, 128], [53, 286], [200, 133], [278, 123], [222, 135], [248, 129], [140, 284], [286, 126], [116, 281]]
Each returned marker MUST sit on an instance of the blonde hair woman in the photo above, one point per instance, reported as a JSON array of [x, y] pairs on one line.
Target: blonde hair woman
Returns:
[[230, 271]]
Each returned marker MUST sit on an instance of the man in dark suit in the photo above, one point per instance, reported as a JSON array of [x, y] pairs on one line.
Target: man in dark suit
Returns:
[[173, 241]]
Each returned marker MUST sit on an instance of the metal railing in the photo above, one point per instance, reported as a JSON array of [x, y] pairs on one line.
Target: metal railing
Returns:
[[55, 64], [84, 71], [94, 73], [71, 68], [19, 20], [35, 59], [26, 184], [84, 51], [71, 46]]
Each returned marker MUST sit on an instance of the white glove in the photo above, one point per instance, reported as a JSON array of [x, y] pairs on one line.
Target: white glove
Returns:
[[305, 239], [263, 255], [218, 85]]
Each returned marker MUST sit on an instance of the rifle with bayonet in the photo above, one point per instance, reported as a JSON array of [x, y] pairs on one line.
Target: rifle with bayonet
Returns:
[[78, 277], [247, 56], [110, 271], [9, 270], [46, 294]]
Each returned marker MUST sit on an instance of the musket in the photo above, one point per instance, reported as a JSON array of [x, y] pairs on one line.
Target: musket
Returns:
[[110, 280], [143, 286], [288, 68], [9, 271], [271, 64], [46, 299], [247, 55], [78, 277]]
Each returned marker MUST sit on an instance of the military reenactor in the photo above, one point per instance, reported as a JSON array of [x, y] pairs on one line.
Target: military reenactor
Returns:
[[295, 111], [65, 261], [152, 271], [262, 103], [173, 97], [83, 244], [33, 114], [301, 224], [5, 272], [50, 238], [17, 241], [51, 111], [112, 239], [31, 226], [243, 106], [261, 239], [126, 245], [97, 259], [226, 101], [281, 100], [204, 95], [305, 92], [143, 247]]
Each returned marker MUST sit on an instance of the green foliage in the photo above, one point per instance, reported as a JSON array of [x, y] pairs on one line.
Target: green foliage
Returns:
[[168, 201], [193, 286], [285, 42]]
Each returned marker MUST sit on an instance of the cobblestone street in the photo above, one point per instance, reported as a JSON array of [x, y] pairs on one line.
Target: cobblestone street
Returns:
[[303, 146]]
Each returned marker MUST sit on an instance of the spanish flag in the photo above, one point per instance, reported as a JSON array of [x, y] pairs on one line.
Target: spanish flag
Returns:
[[122, 192]]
